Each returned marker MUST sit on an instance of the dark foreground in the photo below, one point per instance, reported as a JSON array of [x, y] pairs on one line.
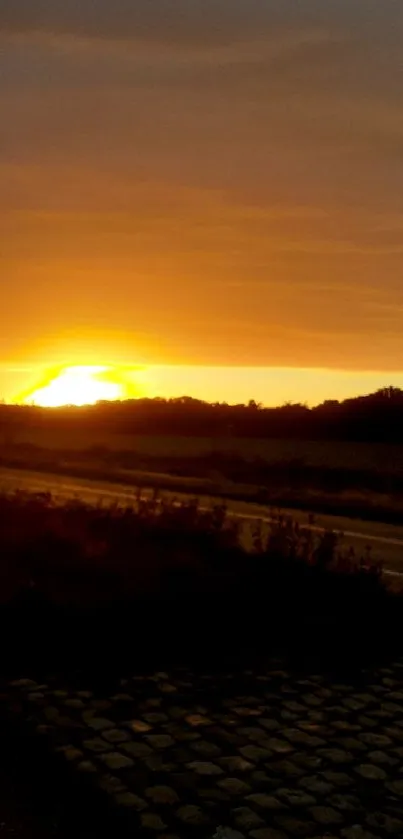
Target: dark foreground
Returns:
[[157, 680], [269, 754]]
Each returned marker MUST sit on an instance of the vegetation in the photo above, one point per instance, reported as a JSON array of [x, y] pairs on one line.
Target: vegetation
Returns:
[[162, 581], [375, 418]]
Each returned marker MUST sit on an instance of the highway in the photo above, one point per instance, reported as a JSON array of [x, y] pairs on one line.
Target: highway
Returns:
[[385, 540]]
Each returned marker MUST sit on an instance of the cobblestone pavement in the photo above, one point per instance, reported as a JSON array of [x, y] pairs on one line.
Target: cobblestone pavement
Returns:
[[267, 755]]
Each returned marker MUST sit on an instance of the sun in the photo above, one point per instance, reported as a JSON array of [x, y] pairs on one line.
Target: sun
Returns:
[[77, 386]]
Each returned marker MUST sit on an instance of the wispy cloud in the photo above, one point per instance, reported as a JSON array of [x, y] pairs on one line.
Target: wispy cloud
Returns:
[[170, 169]]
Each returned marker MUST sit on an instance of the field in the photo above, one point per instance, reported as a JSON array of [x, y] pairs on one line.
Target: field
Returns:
[[354, 480], [337, 454]]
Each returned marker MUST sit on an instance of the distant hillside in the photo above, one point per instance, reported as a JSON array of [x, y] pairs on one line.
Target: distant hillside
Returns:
[[377, 417]]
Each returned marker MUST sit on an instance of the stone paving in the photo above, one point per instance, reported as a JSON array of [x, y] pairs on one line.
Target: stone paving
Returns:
[[265, 755]]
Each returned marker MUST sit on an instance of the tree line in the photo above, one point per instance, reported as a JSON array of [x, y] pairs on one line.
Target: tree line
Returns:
[[376, 417]]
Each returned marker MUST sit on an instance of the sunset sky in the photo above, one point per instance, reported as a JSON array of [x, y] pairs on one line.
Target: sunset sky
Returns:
[[205, 184]]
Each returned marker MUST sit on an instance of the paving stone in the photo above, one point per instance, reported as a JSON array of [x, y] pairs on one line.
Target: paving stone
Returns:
[[158, 764], [286, 768], [115, 735], [207, 769], [101, 705], [235, 764], [317, 716], [211, 795], [386, 823], [351, 744], [152, 821], [316, 785], [339, 711], [155, 718], [279, 746], [70, 753], [365, 698], [371, 772], [315, 728], [197, 720], [336, 756], [234, 786], [392, 707], [129, 799], [301, 738], [366, 722], [268, 833], [296, 798], [167, 687], [294, 826], [180, 754], [116, 761], [396, 696], [137, 750], [377, 741], [396, 787], [152, 702], [312, 762], [382, 758], [51, 713], [326, 816], [344, 725], [111, 784], [288, 717], [162, 795], [185, 736], [192, 815], [87, 767], [339, 779], [395, 733], [345, 803], [266, 802], [255, 734], [255, 753], [312, 700], [177, 713], [294, 707], [75, 704], [44, 730], [357, 832], [227, 833], [269, 724], [246, 819], [138, 726], [97, 745], [246, 712], [121, 697], [205, 749], [100, 724], [160, 741]]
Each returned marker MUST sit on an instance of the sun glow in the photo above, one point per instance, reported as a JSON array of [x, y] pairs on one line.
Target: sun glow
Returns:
[[77, 386]]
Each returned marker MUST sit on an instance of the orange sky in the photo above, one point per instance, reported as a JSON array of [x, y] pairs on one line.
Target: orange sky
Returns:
[[203, 183]]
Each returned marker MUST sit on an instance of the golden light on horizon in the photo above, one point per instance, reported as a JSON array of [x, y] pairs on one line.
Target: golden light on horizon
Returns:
[[79, 385]]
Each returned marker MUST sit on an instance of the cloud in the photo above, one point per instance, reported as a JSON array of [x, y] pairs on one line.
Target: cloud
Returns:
[[185, 22], [223, 176]]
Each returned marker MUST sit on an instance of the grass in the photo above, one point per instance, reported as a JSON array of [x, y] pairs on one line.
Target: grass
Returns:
[[87, 586], [372, 457], [344, 490]]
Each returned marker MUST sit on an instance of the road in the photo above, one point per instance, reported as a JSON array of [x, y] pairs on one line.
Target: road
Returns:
[[385, 540]]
